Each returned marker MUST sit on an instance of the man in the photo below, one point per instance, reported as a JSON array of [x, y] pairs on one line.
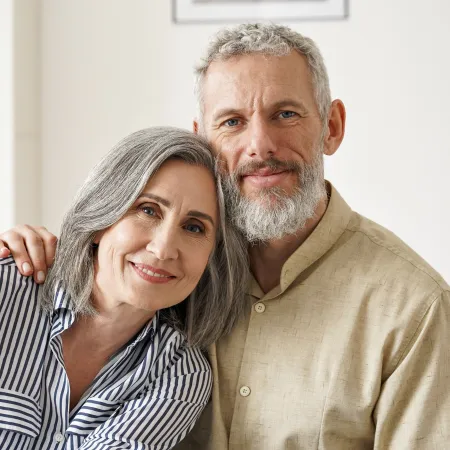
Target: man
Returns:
[[346, 344]]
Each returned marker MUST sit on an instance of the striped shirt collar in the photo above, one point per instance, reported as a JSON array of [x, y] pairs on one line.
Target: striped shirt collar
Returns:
[[64, 316]]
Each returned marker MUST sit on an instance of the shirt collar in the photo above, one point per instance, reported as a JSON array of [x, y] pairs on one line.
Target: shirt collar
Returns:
[[63, 317], [330, 228]]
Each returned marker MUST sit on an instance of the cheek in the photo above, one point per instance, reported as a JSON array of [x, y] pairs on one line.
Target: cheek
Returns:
[[198, 263], [228, 150]]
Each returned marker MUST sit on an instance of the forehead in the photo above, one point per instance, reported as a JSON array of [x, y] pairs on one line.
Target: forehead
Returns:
[[182, 183], [257, 79]]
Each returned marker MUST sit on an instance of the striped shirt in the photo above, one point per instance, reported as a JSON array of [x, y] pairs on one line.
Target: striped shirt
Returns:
[[147, 396]]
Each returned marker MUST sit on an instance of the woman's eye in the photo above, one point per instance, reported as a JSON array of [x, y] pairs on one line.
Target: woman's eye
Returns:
[[149, 210], [287, 114], [194, 228], [231, 122]]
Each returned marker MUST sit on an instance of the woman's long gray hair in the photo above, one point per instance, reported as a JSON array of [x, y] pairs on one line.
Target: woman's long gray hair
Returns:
[[109, 191]]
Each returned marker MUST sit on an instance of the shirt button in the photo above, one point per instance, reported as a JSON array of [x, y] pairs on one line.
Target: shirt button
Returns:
[[244, 391], [59, 437], [260, 307]]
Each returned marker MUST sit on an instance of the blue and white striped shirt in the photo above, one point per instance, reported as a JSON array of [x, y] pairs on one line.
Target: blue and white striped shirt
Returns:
[[147, 396]]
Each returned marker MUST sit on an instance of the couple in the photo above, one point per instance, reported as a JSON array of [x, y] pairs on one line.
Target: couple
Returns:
[[342, 341]]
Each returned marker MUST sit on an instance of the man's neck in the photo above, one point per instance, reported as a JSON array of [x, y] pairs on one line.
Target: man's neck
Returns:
[[267, 259]]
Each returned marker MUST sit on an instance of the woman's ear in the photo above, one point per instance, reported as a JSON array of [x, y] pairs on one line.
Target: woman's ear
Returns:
[[97, 238]]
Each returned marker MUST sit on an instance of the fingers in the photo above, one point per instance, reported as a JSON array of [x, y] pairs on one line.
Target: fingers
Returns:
[[49, 241], [4, 251], [16, 245], [28, 246]]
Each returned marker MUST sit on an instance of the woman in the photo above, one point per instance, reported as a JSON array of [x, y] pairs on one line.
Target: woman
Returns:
[[105, 353]]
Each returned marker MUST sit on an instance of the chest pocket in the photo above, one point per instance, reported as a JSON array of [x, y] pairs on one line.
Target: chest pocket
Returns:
[[19, 413]]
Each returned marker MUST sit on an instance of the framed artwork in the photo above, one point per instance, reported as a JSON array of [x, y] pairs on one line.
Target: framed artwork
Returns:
[[208, 11]]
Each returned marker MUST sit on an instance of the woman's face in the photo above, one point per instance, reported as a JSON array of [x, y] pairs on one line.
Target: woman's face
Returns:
[[154, 256]]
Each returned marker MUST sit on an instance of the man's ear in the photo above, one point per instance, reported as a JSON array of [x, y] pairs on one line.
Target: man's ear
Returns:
[[336, 127], [195, 126]]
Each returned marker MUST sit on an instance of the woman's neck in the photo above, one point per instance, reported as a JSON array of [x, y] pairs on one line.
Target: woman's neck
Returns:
[[109, 330]]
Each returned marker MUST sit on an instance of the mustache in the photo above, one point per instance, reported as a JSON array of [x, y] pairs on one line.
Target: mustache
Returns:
[[272, 164]]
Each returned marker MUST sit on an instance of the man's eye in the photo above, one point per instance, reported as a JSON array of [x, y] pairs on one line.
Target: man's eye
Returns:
[[287, 114], [231, 122], [194, 228]]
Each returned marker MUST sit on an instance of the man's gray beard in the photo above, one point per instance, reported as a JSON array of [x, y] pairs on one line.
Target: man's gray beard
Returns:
[[275, 213]]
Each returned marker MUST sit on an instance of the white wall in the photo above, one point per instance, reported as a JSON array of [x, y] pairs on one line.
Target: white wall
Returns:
[[111, 66], [20, 160], [27, 119], [6, 115]]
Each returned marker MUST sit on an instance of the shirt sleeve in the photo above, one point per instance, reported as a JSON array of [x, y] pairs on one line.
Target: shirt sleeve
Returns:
[[413, 409], [163, 415]]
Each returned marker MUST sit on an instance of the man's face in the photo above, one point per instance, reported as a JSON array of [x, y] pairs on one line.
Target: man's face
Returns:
[[258, 108], [260, 116]]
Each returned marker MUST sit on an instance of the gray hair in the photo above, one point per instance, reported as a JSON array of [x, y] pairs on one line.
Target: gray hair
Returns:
[[268, 39], [109, 191]]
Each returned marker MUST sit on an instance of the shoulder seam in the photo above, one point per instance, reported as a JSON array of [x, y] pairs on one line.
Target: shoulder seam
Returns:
[[408, 346], [422, 269]]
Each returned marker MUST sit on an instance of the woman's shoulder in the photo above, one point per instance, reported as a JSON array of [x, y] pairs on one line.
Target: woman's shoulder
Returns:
[[12, 282], [171, 346], [8, 261], [10, 272]]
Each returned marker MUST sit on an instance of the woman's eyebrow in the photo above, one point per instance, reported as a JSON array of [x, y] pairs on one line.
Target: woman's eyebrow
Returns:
[[155, 197], [166, 203], [201, 215]]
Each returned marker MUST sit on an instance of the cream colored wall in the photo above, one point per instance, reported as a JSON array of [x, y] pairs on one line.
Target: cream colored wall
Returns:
[[6, 115], [20, 161], [27, 117], [112, 66]]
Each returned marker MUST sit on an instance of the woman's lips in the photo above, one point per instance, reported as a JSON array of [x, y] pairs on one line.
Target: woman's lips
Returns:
[[152, 274]]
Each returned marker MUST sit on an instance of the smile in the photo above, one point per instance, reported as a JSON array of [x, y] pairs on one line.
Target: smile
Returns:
[[153, 276]]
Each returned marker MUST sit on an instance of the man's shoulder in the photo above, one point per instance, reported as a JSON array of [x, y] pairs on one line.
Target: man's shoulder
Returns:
[[392, 257]]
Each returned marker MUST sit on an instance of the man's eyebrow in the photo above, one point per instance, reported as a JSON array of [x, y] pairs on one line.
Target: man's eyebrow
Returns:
[[220, 113], [289, 102], [166, 203], [225, 112]]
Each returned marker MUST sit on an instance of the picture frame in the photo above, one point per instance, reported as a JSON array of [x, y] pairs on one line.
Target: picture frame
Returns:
[[220, 11]]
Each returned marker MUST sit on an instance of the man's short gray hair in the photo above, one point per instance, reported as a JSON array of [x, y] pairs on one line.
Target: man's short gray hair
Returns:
[[268, 39], [108, 193]]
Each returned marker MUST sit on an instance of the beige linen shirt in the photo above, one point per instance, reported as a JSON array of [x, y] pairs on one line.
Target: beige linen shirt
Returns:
[[350, 351]]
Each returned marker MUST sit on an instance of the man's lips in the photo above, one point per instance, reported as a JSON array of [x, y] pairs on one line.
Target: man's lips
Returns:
[[266, 177], [265, 172]]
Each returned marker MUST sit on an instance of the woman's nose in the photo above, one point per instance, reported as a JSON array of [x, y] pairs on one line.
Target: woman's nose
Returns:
[[163, 243]]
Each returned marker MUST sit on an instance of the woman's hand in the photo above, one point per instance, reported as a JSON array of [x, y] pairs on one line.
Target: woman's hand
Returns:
[[33, 249]]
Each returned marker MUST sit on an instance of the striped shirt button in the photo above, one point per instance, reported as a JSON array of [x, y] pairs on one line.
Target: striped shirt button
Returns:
[[260, 307], [244, 391], [59, 437]]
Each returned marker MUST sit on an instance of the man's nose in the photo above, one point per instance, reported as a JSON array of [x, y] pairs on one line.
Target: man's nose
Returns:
[[261, 138], [163, 242]]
